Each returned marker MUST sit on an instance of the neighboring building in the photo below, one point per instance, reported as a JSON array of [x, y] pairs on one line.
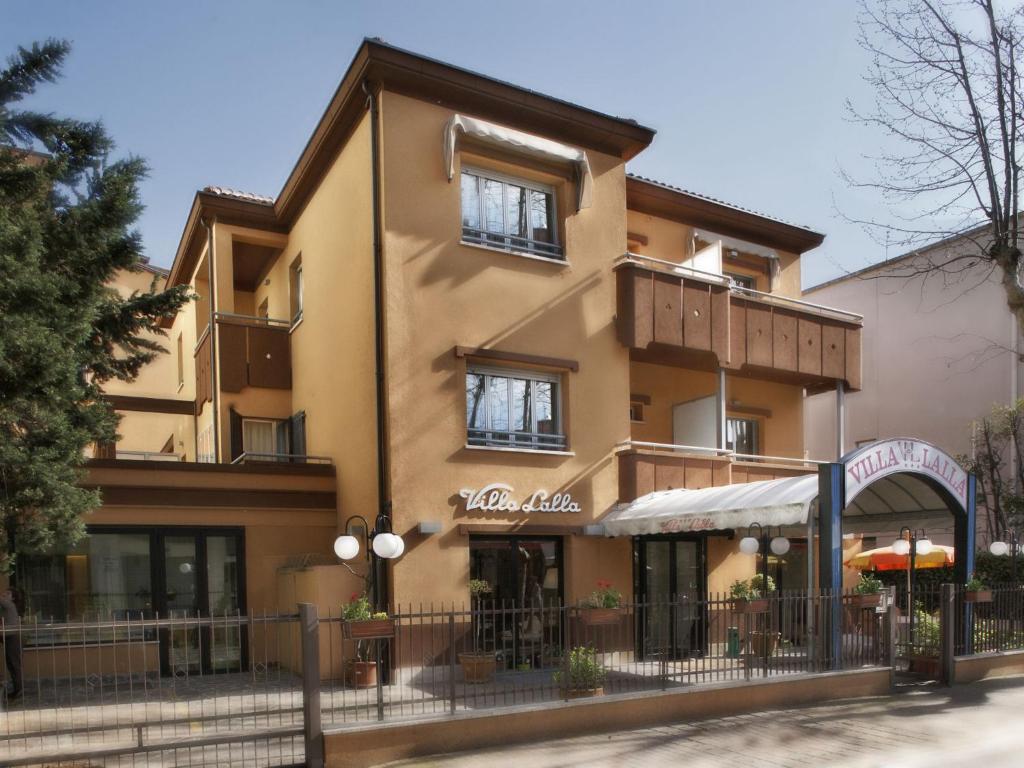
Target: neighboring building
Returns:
[[940, 350], [552, 337]]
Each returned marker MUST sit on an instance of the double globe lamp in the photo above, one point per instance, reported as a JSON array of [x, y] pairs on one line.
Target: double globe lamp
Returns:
[[385, 545]]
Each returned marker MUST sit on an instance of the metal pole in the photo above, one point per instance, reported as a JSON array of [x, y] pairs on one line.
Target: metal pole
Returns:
[[840, 418], [810, 587], [720, 420], [309, 629], [947, 612]]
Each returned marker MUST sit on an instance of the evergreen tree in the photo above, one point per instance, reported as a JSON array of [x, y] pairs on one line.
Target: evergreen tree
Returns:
[[66, 216]]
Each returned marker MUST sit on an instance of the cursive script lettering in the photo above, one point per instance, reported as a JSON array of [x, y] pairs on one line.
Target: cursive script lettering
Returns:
[[497, 497]]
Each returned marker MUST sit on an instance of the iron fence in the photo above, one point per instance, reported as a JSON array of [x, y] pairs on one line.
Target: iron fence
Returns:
[[185, 690], [996, 617]]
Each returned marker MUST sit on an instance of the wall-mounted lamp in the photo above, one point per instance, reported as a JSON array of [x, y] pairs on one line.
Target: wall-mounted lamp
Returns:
[[380, 540]]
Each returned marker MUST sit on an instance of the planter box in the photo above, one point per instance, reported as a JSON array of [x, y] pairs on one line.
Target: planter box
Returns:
[[978, 596], [764, 643], [582, 693], [866, 601], [926, 666], [597, 617], [478, 667], [362, 674], [750, 606], [371, 629]]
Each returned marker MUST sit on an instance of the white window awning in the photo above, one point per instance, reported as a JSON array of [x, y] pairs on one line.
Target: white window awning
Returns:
[[735, 244], [518, 141], [782, 502]]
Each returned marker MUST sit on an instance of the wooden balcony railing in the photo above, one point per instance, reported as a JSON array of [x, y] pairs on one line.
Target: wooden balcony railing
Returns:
[[673, 315], [253, 352]]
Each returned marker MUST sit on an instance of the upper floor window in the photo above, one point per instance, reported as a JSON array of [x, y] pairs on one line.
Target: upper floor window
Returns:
[[295, 289], [514, 409], [743, 281], [509, 213], [741, 435]]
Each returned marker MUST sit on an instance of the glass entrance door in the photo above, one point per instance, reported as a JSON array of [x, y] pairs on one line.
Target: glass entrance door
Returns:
[[200, 575], [522, 618], [671, 589]]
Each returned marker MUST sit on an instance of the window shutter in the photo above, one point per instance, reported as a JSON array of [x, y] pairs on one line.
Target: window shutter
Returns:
[[236, 434], [283, 430], [298, 424]]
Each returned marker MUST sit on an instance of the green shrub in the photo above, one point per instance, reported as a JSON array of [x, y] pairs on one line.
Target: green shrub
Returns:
[[584, 672]]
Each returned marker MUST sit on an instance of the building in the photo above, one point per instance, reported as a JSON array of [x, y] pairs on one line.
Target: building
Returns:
[[939, 351], [462, 312]]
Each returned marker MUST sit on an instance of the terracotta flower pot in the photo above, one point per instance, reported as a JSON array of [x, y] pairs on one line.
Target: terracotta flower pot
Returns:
[[596, 617], [478, 666], [764, 643], [872, 600], [369, 629], [362, 674], [583, 693], [760, 605], [978, 596]]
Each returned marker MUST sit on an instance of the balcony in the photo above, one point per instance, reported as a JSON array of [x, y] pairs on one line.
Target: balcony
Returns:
[[648, 467], [253, 352], [673, 315]]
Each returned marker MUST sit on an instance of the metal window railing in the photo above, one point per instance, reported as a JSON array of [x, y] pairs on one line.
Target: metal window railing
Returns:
[[725, 453], [513, 243], [251, 457], [149, 456], [513, 439]]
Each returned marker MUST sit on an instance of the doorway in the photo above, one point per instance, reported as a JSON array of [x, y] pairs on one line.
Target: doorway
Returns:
[[200, 573], [522, 614], [670, 584]]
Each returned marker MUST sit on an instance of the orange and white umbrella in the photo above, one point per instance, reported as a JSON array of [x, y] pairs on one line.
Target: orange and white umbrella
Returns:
[[884, 559]]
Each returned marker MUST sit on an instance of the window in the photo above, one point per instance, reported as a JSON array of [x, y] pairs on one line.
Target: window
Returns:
[[514, 409], [512, 214], [636, 411], [263, 437], [741, 435], [743, 281], [263, 310], [181, 362], [295, 288], [205, 453]]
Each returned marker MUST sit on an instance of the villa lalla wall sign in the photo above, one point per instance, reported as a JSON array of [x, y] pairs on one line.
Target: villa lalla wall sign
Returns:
[[887, 457], [499, 497]]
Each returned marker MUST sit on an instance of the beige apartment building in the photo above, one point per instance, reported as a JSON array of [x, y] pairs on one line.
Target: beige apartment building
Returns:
[[462, 316], [939, 351]]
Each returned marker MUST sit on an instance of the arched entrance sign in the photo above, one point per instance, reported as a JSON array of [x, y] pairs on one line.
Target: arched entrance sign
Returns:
[[841, 482]]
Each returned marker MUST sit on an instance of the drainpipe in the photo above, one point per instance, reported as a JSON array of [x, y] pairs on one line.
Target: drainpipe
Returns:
[[380, 585], [720, 420], [212, 279]]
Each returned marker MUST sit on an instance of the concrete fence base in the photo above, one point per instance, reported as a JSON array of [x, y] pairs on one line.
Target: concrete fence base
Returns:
[[360, 746], [968, 669]]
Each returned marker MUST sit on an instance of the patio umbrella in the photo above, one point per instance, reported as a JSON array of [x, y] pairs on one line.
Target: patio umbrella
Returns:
[[884, 559]]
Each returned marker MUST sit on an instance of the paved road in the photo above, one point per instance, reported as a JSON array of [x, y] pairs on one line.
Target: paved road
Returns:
[[981, 724]]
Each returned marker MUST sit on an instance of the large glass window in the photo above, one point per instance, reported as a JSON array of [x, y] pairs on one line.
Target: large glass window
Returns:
[[107, 576], [515, 409], [508, 213]]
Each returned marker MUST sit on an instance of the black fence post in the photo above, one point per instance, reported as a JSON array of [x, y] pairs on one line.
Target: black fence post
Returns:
[[451, 655], [891, 634], [309, 629], [947, 625]]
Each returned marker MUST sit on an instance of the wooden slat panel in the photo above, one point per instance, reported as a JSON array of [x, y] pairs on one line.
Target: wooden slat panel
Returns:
[[231, 351], [739, 474], [722, 472], [759, 335], [784, 356], [670, 473], [668, 326], [737, 333], [720, 324], [809, 346], [853, 358], [696, 316], [699, 474], [833, 352], [627, 477], [270, 362], [204, 384]]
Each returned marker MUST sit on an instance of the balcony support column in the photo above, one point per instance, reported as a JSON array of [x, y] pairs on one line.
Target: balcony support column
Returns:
[[840, 418], [720, 423]]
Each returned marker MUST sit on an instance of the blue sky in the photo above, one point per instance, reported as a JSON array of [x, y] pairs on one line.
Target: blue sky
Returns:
[[747, 97]]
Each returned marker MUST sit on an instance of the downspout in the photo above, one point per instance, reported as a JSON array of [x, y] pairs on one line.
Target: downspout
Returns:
[[380, 597], [211, 278]]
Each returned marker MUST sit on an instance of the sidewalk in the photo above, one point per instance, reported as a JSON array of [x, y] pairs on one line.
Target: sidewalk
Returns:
[[977, 724]]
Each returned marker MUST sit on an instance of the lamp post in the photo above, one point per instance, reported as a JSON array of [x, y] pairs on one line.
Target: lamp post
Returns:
[[1012, 548], [380, 542], [751, 545], [915, 543]]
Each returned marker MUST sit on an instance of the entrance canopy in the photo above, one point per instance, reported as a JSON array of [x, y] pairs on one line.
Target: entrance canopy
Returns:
[[786, 501], [902, 481]]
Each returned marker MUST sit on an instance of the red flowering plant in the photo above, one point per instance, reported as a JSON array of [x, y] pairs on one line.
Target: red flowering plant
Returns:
[[605, 596]]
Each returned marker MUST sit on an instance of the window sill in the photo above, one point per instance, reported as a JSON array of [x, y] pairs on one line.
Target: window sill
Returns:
[[519, 254], [503, 449]]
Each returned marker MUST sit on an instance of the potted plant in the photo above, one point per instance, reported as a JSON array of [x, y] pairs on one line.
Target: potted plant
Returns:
[[924, 646], [747, 597], [976, 591], [582, 676], [867, 593], [365, 626], [478, 665], [603, 606]]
